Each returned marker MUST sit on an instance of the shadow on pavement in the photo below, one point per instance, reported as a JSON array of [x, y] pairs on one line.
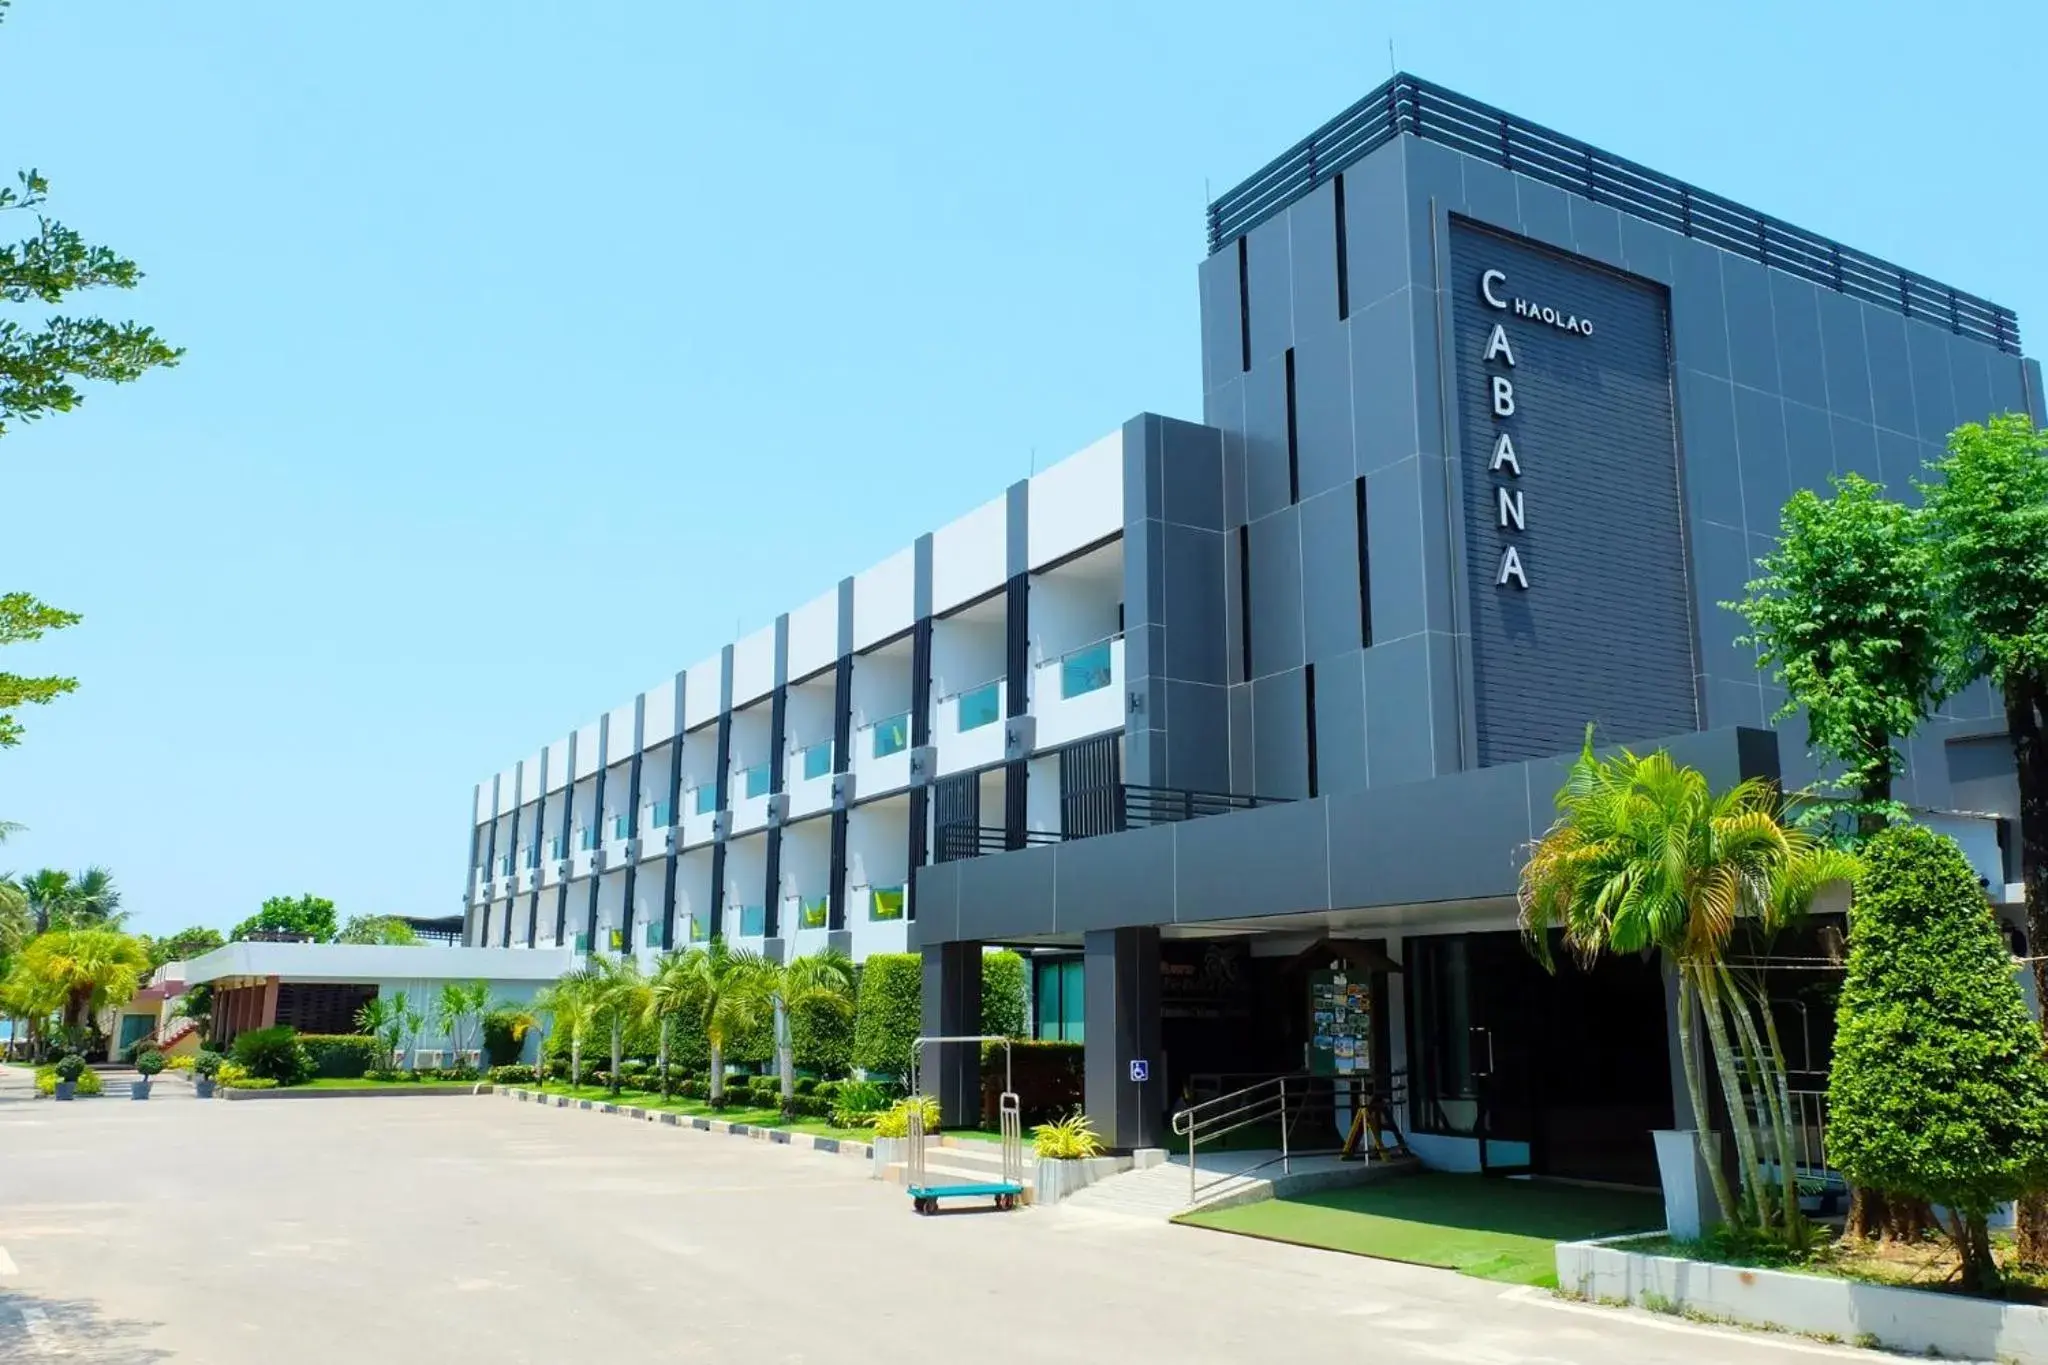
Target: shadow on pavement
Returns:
[[33, 1326]]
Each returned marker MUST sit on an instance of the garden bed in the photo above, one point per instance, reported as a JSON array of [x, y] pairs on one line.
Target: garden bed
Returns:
[[330, 1088], [1866, 1298], [765, 1124]]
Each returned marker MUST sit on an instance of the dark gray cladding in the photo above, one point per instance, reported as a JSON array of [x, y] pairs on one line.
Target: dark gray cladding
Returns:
[[1592, 624]]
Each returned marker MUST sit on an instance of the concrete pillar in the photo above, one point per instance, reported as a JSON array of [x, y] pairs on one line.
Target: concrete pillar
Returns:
[[951, 1072], [268, 1007], [1120, 982]]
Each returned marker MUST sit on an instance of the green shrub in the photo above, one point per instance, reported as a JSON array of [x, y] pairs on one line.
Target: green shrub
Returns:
[[1002, 995], [807, 1085], [70, 1067], [512, 1075], [1072, 1138], [821, 1038], [827, 1091], [46, 1081], [342, 1056], [894, 1122], [149, 1061], [273, 1054], [857, 1102], [1938, 1090], [207, 1063], [890, 1012], [1046, 1075], [500, 1047], [184, 1061], [251, 1083]]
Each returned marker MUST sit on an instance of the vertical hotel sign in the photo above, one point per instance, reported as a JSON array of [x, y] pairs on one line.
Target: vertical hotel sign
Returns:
[[1504, 468]]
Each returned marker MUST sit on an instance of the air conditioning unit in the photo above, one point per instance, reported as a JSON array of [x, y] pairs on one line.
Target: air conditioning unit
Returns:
[[1020, 737]]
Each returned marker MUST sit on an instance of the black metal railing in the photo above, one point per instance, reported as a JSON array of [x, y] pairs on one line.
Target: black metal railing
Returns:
[[1406, 104], [1129, 807], [1169, 805], [955, 841]]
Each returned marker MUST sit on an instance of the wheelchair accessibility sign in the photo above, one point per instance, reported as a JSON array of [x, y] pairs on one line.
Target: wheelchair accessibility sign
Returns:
[[1141, 1071]]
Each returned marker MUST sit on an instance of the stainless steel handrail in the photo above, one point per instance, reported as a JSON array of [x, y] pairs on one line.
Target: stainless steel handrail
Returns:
[[1255, 1103]]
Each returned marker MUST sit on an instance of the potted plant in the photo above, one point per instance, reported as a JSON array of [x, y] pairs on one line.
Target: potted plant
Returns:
[[1069, 1157], [204, 1071], [148, 1062], [892, 1129], [69, 1068]]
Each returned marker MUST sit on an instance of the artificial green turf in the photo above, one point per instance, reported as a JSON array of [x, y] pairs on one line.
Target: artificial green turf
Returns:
[[1504, 1230]]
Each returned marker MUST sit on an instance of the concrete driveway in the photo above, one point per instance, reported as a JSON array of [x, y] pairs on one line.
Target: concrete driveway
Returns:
[[474, 1229]]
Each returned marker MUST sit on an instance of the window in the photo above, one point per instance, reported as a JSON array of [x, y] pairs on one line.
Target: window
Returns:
[[1057, 1000], [813, 913], [755, 780], [885, 902], [753, 919], [1343, 254], [1440, 976], [892, 735], [1244, 600], [1244, 308], [1085, 670], [1308, 687], [982, 706], [707, 800], [817, 761], [533, 857], [692, 929], [504, 864], [660, 816]]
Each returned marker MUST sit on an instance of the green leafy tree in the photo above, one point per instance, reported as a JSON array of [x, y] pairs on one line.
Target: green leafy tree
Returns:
[[672, 998], [1843, 617], [387, 930], [1938, 1090], [80, 972], [622, 999], [24, 618], [728, 990], [184, 945], [1644, 855], [459, 1011], [819, 981], [891, 1013], [63, 900], [570, 1007], [395, 1022], [312, 916], [1002, 995]]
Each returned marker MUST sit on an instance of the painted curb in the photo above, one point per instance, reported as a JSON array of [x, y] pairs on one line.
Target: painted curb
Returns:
[[781, 1137], [381, 1093], [1899, 1319]]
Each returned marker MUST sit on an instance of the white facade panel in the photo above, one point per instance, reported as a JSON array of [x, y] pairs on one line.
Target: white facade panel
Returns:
[[621, 732], [969, 556], [701, 693], [1077, 501], [586, 752], [814, 635], [658, 713], [508, 790], [485, 805], [753, 666], [885, 599], [558, 765]]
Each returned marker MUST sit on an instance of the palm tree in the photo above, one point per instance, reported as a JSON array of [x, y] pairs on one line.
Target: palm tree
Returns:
[[823, 980], [570, 1004], [621, 998], [395, 1022], [1644, 855], [59, 900], [728, 989], [458, 1005], [671, 994], [79, 972]]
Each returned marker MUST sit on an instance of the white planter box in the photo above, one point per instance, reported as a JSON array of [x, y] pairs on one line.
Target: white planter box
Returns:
[[1689, 1203], [1055, 1180], [890, 1152], [1910, 1320]]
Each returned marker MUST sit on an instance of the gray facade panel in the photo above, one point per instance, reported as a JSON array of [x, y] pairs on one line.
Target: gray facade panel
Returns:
[[1322, 408], [1900, 458], [1312, 247], [1809, 451], [1276, 857], [1393, 533], [1398, 702], [1340, 723], [1597, 629], [1760, 446], [1376, 224], [1197, 736], [1418, 843], [1596, 232], [1844, 356], [1856, 448], [1270, 289], [1795, 310], [1891, 371], [1713, 461], [1545, 212], [1191, 470], [1699, 328], [1384, 386], [2008, 389], [1721, 567], [1115, 881], [1265, 437], [1329, 543], [1752, 334], [1194, 595], [1733, 701], [1646, 249], [993, 896], [1969, 369], [1280, 718], [1222, 341], [1934, 391], [1276, 593], [1244, 775]]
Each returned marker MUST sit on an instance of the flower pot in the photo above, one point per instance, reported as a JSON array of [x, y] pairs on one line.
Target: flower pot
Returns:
[[890, 1152], [139, 1090], [66, 1089], [204, 1085], [1689, 1204]]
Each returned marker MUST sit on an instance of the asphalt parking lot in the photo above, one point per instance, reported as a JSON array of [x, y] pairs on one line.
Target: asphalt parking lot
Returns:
[[475, 1229]]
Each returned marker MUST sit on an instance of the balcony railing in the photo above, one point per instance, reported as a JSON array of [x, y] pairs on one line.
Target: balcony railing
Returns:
[[815, 760], [1090, 812], [659, 816], [1088, 668], [889, 735], [977, 706], [953, 842], [704, 800], [753, 919], [754, 780], [885, 903], [810, 912], [622, 826]]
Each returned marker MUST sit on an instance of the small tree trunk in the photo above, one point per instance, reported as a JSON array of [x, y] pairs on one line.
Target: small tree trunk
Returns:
[[1767, 1076], [618, 1050], [717, 1071], [664, 1057], [1731, 1089], [576, 1064], [1695, 1085], [785, 1054]]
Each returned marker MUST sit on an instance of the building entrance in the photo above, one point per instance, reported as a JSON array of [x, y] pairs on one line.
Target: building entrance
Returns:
[[1562, 1074]]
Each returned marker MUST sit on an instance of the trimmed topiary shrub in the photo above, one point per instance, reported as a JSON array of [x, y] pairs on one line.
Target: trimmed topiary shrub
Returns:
[[821, 1038], [273, 1054], [512, 1075], [1938, 1089], [889, 1014], [343, 1056], [1002, 995]]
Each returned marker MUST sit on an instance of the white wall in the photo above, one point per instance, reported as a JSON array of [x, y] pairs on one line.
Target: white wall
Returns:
[[885, 599], [620, 734], [753, 666], [1042, 795], [611, 908], [808, 719], [881, 685], [966, 654], [814, 635], [508, 789], [647, 885], [618, 788], [1077, 501], [806, 875], [693, 891], [558, 765], [654, 771], [969, 555], [877, 854], [701, 693], [1076, 604], [586, 751], [658, 713], [746, 878]]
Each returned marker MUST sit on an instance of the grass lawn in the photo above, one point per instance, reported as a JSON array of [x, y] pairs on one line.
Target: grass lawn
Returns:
[[364, 1083], [1495, 1229], [733, 1113]]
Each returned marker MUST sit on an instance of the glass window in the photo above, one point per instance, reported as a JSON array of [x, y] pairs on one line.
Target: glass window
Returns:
[[885, 902], [813, 914], [533, 857], [1071, 1000], [1057, 1000], [1084, 670], [756, 780], [707, 800], [504, 865], [817, 761], [892, 735], [982, 706], [753, 919], [582, 943], [653, 938], [661, 818], [1441, 980]]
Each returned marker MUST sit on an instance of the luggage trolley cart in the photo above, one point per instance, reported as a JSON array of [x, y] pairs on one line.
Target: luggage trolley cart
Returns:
[[925, 1196]]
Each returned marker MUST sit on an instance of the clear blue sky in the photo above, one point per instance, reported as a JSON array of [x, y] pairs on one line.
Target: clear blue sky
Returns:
[[534, 347]]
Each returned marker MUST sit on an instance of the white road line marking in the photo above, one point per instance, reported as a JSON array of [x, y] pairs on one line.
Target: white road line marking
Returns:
[[40, 1334], [7, 1265], [1543, 1298]]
